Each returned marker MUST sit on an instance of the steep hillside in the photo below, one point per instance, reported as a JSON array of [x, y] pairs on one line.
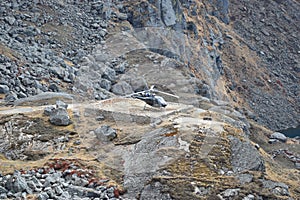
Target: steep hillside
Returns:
[[233, 64]]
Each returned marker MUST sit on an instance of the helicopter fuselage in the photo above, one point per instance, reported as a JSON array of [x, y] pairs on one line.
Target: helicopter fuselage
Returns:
[[152, 100]]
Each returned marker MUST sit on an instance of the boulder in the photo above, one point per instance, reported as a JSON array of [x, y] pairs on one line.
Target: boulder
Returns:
[[60, 117], [61, 104], [297, 165], [276, 188], [230, 193], [109, 74], [10, 20], [244, 156], [272, 141], [105, 84], [278, 136], [4, 89], [244, 178], [249, 197], [122, 88], [43, 196], [3, 190], [17, 183], [120, 69], [168, 13], [105, 133], [48, 110], [11, 97], [138, 84]]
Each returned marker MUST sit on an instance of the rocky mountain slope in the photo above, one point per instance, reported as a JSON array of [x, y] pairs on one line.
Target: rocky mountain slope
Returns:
[[234, 66]]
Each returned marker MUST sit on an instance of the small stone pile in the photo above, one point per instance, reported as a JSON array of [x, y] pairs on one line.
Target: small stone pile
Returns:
[[61, 179]]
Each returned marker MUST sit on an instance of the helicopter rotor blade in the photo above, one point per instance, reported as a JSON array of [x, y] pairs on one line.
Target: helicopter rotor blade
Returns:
[[152, 87], [172, 95]]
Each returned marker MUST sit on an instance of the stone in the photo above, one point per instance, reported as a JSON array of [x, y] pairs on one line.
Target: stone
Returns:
[[58, 190], [36, 181], [276, 188], [105, 133], [122, 88], [272, 141], [10, 20], [168, 13], [138, 84], [102, 32], [49, 110], [83, 191], [80, 182], [278, 136], [65, 195], [105, 84], [297, 165], [61, 104], [244, 178], [22, 95], [3, 196], [244, 156], [43, 196], [4, 89], [60, 117], [100, 118], [109, 74], [3, 190], [53, 87], [120, 69], [122, 16], [249, 197], [230, 192], [17, 183], [32, 185]]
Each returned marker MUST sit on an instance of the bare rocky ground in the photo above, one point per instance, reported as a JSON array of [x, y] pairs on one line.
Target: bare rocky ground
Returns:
[[234, 66]]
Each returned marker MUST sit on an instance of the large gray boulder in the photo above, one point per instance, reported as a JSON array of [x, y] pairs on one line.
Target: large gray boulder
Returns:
[[244, 156], [122, 88], [105, 133], [60, 117], [105, 84], [109, 74], [278, 136]]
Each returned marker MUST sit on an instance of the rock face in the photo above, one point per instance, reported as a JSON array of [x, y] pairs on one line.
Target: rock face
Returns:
[[245, 156]]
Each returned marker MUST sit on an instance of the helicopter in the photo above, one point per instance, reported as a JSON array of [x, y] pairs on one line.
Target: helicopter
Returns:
[[150, 98]]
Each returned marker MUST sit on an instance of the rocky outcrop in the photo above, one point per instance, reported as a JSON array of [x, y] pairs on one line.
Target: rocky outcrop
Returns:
[[245, 156]]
